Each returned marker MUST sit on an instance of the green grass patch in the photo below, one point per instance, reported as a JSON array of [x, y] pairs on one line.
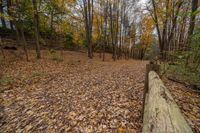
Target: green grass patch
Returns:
[[180, 72]]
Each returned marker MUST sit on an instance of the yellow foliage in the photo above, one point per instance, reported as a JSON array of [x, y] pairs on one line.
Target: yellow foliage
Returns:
[[97, 23], [147, 29]]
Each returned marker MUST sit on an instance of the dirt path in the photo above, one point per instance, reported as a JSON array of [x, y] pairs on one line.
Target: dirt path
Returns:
[[76, 95]]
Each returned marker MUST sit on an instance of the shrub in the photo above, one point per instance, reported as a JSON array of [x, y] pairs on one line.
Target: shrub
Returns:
[[69, 40]]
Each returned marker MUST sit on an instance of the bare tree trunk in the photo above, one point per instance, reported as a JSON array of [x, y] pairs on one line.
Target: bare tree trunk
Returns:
[[8, 6], [164, 33], [181, 44], [2, 12], [1, 46], [105, 41], [100, 33], [90, 21], [116, 30], [174, 22], [17, 31], [14, 21], [51, 28], [91, 25], [191, 26], [86, 23], [192, 18], [24, 42], [36, 27], [120, 36], [19, 26], [111, 31], [88, 15], [157, 27]]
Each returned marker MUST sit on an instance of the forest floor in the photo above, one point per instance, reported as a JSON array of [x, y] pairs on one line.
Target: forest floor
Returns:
[[77, 94]]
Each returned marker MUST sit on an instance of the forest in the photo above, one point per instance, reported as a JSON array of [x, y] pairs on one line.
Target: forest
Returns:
[[85, 65]]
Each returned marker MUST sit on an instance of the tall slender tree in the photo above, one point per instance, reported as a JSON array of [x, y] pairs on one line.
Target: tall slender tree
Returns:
[[36, 27], [9, 13], [3, 22], [88, 16], [193, 16]]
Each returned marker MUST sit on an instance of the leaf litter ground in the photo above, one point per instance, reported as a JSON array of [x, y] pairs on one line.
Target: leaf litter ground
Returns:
[[77, 95]]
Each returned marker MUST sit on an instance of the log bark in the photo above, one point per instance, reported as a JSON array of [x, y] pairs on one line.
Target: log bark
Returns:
[[149, 67], [161, 113]]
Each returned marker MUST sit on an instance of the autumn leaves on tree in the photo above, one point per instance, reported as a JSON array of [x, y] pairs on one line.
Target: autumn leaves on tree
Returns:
[[171, 23], [124, 28]]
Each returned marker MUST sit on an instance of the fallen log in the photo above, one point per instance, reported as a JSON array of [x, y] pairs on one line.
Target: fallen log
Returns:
[[192, 87], [149, 67], [161, 113]]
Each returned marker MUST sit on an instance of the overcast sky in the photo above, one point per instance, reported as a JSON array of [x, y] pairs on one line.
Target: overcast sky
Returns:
[[143, 1]]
